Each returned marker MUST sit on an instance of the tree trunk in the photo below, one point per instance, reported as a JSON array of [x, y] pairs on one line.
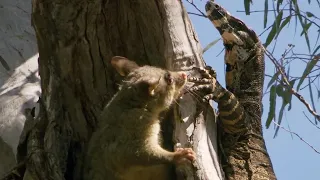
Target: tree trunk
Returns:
[[76, 40]]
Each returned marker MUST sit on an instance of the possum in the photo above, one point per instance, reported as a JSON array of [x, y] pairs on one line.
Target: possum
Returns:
[[126, 144]]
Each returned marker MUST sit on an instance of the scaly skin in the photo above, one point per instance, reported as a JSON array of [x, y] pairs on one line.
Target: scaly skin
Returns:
[[244, 154]]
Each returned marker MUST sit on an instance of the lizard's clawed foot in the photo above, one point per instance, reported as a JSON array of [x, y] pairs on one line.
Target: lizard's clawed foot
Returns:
[[206, 83], [206, 72]]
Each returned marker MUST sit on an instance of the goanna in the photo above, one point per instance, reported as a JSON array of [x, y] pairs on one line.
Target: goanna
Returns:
[[244, 154]]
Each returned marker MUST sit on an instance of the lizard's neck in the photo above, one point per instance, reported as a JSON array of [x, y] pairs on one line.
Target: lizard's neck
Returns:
[[245, 78]]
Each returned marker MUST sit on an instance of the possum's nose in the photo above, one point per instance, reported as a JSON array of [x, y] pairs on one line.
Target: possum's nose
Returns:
[[181, 78], [184, 76]]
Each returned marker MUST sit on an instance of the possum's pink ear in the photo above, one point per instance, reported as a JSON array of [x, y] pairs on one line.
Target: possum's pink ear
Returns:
[[123, 65]]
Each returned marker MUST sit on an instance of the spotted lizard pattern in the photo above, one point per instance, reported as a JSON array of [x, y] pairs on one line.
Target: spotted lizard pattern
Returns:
[[243, 153]]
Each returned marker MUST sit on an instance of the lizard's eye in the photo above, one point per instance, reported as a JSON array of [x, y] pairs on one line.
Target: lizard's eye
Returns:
[[168, 78]]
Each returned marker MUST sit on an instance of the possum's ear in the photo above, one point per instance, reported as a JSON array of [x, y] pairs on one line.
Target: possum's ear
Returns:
[[123, 65], [152, 87]]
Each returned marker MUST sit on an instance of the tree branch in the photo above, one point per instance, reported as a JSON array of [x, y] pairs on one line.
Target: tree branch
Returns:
[[197, 14], [191, 2], [287, 84], [297, 136], [310, 120]]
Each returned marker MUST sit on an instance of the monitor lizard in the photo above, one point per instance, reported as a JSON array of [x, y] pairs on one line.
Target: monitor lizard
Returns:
[[243, 152]]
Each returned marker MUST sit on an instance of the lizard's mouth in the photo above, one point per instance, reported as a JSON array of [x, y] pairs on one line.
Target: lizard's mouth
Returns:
[[214, 11]]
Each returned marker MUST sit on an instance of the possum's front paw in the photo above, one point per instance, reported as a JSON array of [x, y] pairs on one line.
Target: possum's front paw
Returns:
[[181, 154]]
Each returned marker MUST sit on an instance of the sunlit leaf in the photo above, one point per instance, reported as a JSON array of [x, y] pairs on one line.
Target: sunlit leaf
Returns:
[[307, 70], [279, 118], [311, 95], [210, 45], [273, 79], [266, 10], [272, 107], [247, 6]]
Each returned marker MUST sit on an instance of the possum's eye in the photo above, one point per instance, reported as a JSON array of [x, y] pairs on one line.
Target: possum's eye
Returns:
[[168, 78]]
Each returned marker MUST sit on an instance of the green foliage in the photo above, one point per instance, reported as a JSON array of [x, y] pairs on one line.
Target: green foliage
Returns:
[[307, 70], [275, 29], [307, 21], [272, 107], [266, 10], [247, 6]]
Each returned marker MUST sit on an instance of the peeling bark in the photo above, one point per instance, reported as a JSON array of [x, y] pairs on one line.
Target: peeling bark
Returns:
[[76, 40]]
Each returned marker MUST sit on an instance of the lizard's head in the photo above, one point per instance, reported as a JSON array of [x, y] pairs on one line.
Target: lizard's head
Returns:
[[156, 87], [217, 15], [241, 46]]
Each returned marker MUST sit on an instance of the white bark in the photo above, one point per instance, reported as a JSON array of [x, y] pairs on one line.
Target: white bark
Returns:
[[19, 80], [198, 132]]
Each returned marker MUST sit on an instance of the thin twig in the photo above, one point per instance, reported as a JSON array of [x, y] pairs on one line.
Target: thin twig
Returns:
[[258, 11], [286, 82], [297, 136], [314, 78], [270, 27], [191, 2], [197, 14], [310, 120]]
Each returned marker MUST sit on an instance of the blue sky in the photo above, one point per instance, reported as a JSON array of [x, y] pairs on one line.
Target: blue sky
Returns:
[[292, 158]]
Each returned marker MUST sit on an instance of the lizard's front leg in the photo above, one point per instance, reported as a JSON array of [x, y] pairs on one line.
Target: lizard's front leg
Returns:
[[230, 109]]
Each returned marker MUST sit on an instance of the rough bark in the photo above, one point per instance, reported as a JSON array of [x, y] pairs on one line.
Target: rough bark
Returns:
[[76, 40]]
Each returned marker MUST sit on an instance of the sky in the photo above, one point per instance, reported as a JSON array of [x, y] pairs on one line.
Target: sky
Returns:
[[292, 158]]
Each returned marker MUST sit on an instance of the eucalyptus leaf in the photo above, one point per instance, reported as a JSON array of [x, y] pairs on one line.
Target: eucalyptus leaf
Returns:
[[271, 35], [305, 28], [279, 2], [279, 90], [279, 118], [309, 14], [315, 51], [266, 10], [284, 23], [273, 79], [307, 70], [210, 45], [247, 6], [272, 107], [311, 95]]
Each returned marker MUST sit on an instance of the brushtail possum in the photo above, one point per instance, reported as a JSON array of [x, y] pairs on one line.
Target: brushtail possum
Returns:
[[126, 143]]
